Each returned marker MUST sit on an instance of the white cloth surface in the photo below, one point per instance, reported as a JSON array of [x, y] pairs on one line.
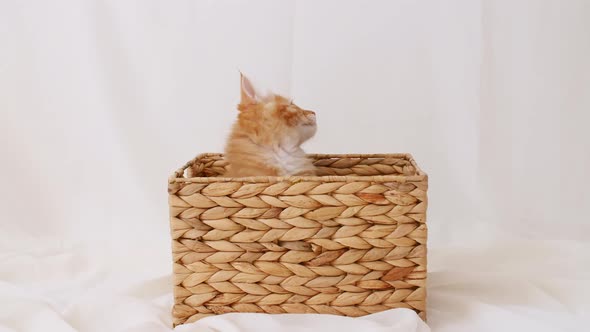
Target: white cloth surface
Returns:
[[400, 320], [101, 100]]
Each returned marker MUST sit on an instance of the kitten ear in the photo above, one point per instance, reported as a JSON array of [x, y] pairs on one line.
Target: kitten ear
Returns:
[[248, 94]]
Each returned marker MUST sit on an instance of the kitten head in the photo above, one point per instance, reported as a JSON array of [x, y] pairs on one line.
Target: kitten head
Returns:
[[273, 120]]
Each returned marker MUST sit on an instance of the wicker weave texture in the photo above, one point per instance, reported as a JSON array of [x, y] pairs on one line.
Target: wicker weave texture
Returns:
[[351, 241]]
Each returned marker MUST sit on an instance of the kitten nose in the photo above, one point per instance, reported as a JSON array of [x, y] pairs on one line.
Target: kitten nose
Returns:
[[310, 116]]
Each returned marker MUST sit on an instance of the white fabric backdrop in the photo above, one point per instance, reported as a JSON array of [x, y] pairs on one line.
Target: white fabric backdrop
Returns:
[[101, 100]]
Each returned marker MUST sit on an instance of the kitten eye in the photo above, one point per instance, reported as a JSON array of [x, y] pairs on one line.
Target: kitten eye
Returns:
[[286, 109]]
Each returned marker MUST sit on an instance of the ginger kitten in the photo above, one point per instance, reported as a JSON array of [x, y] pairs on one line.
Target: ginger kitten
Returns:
[[267, 137]]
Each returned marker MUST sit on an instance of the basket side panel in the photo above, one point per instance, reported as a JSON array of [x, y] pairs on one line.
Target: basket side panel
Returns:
[[345, 248]]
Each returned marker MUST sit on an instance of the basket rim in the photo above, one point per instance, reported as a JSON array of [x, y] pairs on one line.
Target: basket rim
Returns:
[[178, 175]]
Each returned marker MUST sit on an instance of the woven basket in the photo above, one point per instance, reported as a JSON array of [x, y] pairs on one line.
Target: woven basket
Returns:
[[351, 241]]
